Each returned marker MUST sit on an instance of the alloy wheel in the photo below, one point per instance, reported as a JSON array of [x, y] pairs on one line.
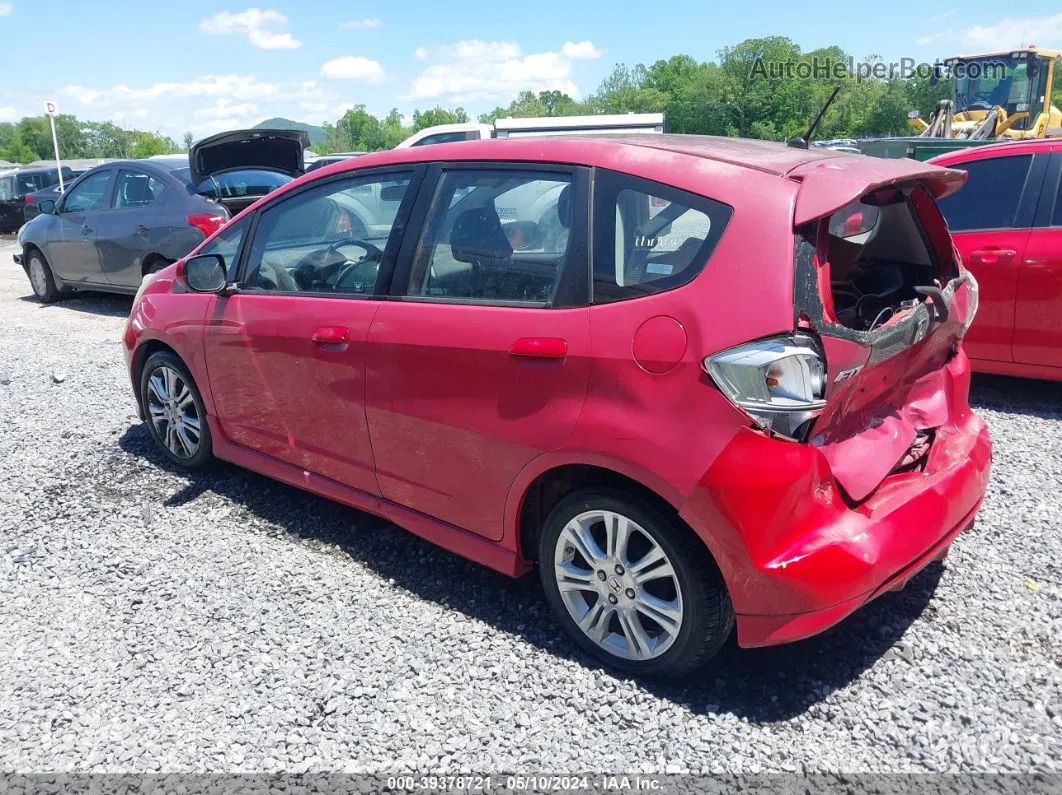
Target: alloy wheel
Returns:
[[618, 585], [173, 412]]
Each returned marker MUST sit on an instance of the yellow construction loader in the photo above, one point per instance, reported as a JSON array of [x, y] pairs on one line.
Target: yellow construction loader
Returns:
[[998, 95]]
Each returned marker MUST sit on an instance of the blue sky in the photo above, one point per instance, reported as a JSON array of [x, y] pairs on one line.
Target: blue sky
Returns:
[[210, 66]]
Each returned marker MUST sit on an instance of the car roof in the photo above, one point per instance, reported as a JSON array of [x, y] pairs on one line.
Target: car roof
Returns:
[[826, 179], [766, 156]]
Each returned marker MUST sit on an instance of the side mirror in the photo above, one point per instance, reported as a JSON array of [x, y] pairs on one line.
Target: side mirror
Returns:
[[392, 193], [205, 273], [46, 206]]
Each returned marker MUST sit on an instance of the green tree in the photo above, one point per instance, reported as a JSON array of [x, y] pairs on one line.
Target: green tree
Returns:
[[187, 141], [148, 144], [438, 115], [16, 151], [625, 91], [106, 139]]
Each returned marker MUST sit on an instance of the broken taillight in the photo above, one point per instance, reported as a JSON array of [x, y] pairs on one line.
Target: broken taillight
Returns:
[[778, 382]]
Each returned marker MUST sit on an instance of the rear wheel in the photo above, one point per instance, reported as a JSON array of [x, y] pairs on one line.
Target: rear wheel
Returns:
[[174, 410], [40, 275], [631, 586]]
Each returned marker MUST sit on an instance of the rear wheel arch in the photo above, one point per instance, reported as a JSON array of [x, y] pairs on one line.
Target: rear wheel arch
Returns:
[[551, 486]]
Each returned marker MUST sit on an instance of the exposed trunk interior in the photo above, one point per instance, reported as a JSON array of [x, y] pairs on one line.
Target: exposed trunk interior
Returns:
[[876, 279], [882, 261]]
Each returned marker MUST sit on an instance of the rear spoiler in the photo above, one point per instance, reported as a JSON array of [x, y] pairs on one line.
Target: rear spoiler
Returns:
[[828, 185]]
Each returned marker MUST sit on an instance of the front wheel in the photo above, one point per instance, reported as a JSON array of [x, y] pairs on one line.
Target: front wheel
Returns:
[[174, 410], [631, 586], [40, 275]]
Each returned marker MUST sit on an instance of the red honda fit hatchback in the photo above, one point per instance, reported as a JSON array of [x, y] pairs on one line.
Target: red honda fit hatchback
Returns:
[[700, 382]]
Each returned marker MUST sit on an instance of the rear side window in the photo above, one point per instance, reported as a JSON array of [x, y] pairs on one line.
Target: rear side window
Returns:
[[649, 237], [990, 198]]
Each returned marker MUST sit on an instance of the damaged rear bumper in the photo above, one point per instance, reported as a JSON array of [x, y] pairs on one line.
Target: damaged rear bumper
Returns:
[[798, 557]]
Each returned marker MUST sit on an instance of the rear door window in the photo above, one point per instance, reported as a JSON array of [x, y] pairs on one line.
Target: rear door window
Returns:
[[649, 237], [136, 189], [990, 198], [495, 236]]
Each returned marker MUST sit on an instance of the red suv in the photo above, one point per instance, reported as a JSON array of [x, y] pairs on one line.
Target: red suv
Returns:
[[700, 382], [1007, 224]]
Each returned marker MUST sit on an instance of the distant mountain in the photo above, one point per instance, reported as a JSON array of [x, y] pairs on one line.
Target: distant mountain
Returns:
[[317, 134]]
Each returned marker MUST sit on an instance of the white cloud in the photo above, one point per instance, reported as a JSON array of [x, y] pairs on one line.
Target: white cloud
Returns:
[[1018, 31], [362, 24], [224, 108], [264, 29], [584, 50], [241, 87], [353, 67], [8, 114], [203, 105], [6, 8], [421, 53], [488, 70], [1008, 32]]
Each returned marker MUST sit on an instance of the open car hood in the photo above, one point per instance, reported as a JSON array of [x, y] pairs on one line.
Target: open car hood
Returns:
[[828, 185], [274, 150]]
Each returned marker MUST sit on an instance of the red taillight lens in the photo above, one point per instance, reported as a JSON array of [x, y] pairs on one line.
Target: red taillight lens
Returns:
[[207, 223], [29, 200]]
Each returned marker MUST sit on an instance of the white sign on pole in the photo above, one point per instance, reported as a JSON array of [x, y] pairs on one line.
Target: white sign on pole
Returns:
[[50, 107]]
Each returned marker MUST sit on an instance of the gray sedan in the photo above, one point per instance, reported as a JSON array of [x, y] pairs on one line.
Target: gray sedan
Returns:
[[126, 219]]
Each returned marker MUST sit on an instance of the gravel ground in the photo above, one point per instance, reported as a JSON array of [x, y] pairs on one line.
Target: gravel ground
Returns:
[[154, 621]]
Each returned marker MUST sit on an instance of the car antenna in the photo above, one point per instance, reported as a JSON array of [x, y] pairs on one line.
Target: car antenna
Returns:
[[805, 140]]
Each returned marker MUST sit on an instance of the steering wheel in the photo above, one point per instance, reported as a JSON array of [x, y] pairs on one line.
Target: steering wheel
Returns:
[[979, 104], [316, 268]]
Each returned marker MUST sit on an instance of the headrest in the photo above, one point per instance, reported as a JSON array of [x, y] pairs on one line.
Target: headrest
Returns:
[[564, 206], [477, 236]]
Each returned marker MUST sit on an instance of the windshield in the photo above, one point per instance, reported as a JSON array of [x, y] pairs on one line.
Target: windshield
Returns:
[[1003, 80], [235, 184]]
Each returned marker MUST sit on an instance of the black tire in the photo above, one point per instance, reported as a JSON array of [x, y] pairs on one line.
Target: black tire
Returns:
[[155, 265], [707, 613], [203, 452], [42, 282]]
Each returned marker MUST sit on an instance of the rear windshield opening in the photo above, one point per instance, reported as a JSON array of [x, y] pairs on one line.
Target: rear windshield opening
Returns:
[[878, 253]]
